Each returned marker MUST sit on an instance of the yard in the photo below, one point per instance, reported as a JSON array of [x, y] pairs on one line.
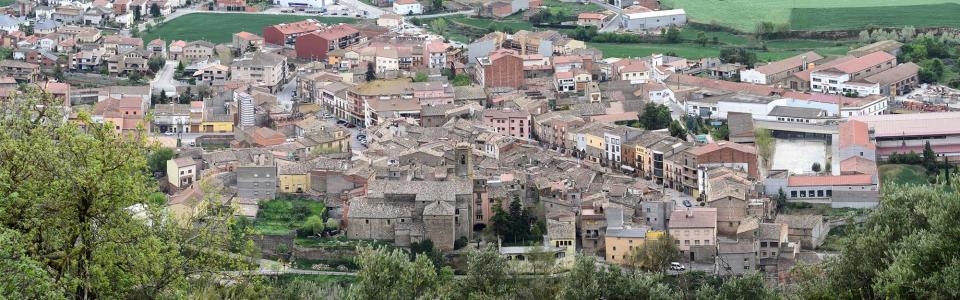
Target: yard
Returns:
[[744, 15], [219, 27], [903, 174], [282, 216]]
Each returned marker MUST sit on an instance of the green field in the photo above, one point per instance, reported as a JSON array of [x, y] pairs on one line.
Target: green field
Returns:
[[219, 28], [744, 15], [693, 51], [485, 23], [282, 216], [903, 174], [938, 15]]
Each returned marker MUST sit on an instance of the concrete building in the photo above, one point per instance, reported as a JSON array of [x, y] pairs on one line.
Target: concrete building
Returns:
[[407, 7], [262, 69], [182, 172], [247, 107], [904, 133], [654, 20], [257, 176], [316, 45], [807, 230], [695, 230], [515, 123], [287, 33], [777, 71], [848, 77], [171, 117]]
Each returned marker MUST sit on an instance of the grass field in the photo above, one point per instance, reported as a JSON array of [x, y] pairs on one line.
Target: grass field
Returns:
[[693, 51], [485, 23], [281, 216], [903, 174], [744, 15], [937, 15], [219, 28]]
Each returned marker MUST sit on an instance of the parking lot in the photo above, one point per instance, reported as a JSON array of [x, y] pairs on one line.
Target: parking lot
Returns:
[[355, 144]]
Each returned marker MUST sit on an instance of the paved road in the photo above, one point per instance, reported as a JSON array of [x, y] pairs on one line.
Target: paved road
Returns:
[[285, 96], [164, 80], [447, 14], [373, 12], [614, 23]]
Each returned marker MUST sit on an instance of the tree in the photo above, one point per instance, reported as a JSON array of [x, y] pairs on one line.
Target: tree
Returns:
[[462, 80], [439, 26], [816, 167], [27, 29], [76, 203], [147, 27], [655, 116], [765, 143], [137, 14], [58, 72], [332, 224], [588, 281], [155, 10], [738, 55], [905, 248], [180, 69], [6, 53], [929, 158], [436, 5], [781, 200], [371, 72], [654, 255], [157, 159], [155, 64], [420, 76], [677, 130], [487, 276], [386, 274], [702, 39], [314, 225], [673, 35]]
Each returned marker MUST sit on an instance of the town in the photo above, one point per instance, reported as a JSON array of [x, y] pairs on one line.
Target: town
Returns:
[[442, 129]]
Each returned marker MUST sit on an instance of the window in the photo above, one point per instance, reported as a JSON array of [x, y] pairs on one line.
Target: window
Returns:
[[686, 242], [793, 194], [366, 221], [696, 242], [614, 248]]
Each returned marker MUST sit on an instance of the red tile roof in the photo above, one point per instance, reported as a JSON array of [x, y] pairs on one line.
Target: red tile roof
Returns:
[[246, 36], [830, 180], [855, 133], [864, 62], [858, 165], [297, 27], [591, 16], [722, 145], [337, 32], [789, 63]]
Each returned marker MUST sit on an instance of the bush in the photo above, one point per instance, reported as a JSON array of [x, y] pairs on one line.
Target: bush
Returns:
[[460, 243]]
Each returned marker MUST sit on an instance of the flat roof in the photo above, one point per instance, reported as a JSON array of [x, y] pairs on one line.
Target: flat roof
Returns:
[[919, 124]]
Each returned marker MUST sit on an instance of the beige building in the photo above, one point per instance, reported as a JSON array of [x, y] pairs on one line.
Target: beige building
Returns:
[[181, 172], [197, 50], [261, 68], [695, 231]]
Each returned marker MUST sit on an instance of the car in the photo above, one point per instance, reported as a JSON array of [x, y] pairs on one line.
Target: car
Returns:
[[687, 203], [675, 266], [341, 122], [349, 125], [361, 137], [169, 133], [326, 116], [192, 143]]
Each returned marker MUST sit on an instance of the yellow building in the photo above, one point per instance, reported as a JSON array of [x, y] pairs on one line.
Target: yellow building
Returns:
[[293, 177], [620, 241], [216, 123]]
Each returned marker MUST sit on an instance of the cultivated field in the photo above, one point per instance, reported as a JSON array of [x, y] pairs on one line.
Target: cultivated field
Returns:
[[745, 14], [777, 49], [934, 15], [219, 28]]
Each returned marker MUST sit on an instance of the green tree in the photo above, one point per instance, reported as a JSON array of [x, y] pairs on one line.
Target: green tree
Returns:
[[137, 14], [58, 72], [462, 80], [181, 68], [654, 255], [816, 168], [388, 274], [702, 39], [436, 5], [77, 200], [439, 26], [155, 64], [420, 76], [157, 159], [929, 158], [371, 72], [765, 143], [332, 224], [155, 10], [655, 116], [781, 200], [6, 53], [677, 130], [314, 225], [673, 35], [487, 276]]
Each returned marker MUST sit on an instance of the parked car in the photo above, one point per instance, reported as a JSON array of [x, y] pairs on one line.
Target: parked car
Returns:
[[349, 125], [361, 137], [341, 122], [687, 203], [675, 266], [169, 133]]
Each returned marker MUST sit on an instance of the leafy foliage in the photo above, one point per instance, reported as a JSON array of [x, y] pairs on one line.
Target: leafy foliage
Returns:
[[654, 255], [391, 275], [655, 116]]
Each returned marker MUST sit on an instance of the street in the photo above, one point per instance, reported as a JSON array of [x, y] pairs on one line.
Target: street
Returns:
[[285, 96], [164, 80], [614, 23]]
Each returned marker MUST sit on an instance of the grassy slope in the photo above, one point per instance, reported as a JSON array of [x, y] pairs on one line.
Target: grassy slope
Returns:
[[219, 28], [903, 174], [745, 14], [887, 16], [693, 51]]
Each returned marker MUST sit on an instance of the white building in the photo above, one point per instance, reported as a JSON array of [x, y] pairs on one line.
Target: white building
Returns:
[[245, 103], [654, 20], [407, 7], [848, 77], [304, 3]]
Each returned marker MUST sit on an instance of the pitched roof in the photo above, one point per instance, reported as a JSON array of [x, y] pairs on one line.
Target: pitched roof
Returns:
[[895, 74], [788, 63], [697, 217], [862, 63], [855, 133], [711, 147]]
